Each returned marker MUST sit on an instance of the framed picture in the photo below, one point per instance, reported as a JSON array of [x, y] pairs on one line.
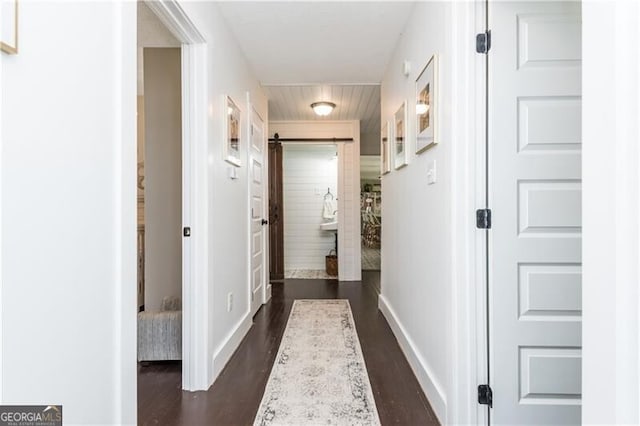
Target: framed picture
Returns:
[[385, 140], [426, 106], [9, 26], [400, 137], [232, 136]]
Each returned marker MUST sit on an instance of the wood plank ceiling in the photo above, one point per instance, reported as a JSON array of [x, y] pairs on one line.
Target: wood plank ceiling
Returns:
[[353, 102]]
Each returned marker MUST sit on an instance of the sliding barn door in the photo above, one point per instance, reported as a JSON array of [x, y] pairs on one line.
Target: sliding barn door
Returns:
[[276, 211]]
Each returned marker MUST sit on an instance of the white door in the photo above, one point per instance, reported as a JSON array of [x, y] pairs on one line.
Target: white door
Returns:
[[258, 217], [535, 196]]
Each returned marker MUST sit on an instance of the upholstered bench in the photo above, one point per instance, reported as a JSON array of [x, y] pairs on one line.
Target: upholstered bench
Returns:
[[160, 333]]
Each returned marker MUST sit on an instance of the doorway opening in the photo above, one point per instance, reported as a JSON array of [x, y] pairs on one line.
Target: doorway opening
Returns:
[[175, 96], [371, 212], [345, 215], [159, 186], [311, 210]]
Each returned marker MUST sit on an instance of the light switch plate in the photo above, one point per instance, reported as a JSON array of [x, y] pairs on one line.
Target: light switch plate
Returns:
[[431, 172], [233, 173], [406, 68]]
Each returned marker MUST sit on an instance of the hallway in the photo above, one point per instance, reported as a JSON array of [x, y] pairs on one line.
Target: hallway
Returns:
[[234, 397], [509, 141]]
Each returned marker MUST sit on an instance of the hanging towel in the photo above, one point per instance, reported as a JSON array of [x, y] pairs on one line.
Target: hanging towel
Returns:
[[329, 209]]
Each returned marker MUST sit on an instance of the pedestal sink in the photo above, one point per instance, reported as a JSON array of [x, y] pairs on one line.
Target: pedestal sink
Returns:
[[329, 226]]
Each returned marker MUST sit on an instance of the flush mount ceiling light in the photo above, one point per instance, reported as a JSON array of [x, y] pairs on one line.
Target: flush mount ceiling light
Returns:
[[323, 108]]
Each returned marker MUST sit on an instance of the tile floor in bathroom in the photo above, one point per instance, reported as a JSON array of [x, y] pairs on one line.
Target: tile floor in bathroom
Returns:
[[308, 274], [370, 262]]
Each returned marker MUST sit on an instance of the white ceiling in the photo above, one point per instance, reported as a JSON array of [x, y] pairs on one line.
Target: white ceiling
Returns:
[[352, 103], [300, 42]]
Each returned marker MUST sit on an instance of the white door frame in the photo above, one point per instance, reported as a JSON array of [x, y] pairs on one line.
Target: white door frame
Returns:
[[480, 294], [468, 298], [194, 191]]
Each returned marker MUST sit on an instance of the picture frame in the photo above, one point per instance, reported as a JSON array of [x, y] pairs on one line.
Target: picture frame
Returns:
[[426, 106], [385, 149], [232, 132], [9, 26], [400, 137]]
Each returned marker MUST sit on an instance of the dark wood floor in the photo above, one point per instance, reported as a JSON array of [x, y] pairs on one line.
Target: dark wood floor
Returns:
[[235, 396]]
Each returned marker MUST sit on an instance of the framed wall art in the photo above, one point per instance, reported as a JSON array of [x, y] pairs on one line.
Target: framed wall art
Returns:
[[427, 106], [400, 137], [385, 140], [232, 136], [9, 26]]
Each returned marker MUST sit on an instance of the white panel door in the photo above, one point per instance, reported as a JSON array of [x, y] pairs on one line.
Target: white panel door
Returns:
[[257, 175], [535, 196]]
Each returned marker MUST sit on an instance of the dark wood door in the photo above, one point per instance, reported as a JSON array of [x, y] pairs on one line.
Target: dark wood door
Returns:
[[276, 213]]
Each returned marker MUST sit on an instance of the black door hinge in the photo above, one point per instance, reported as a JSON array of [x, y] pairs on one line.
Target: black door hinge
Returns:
[[485, 395], [483, 219], [186, 231], [483, 42]]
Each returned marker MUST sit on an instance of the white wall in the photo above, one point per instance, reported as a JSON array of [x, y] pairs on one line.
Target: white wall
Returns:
[[349, 254], [228, 206], [68, 211], [308, 170], [416, 234], [163, 175], [428, 235], [611, 198]]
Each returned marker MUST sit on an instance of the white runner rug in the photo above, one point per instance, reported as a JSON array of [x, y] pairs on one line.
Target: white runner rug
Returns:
[[319, 376]]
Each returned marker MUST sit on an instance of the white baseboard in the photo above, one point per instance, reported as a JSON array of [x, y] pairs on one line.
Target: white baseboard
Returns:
[[228, 347], [432, 389], [267, 296]]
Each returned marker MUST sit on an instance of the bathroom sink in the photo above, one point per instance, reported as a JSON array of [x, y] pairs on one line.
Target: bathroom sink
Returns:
[[329, 226]]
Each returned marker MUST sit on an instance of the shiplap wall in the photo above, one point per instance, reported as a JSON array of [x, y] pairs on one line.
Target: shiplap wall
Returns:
[[308, 171]]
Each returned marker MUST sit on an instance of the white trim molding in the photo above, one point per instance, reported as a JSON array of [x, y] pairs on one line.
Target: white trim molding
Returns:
[[176, 20], [195, 215], [467, 348], [223, 353], [432, 388]]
